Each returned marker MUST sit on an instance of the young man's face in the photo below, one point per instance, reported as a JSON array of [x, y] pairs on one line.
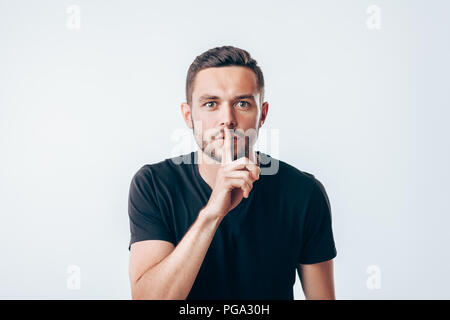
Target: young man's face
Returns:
[[225, 97]]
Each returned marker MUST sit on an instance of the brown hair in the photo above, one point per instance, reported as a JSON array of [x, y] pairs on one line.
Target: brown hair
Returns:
[[222, 57]]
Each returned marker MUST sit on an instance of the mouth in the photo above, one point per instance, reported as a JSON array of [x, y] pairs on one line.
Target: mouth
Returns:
[[223, 138]]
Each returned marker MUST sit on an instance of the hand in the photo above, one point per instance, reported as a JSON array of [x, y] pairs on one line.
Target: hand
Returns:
[[234, 180]]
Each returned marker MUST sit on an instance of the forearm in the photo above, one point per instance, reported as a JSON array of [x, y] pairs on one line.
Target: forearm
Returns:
[[172, 278]]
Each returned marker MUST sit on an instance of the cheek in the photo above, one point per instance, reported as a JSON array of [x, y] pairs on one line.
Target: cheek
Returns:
[[251, 121], [251, 116], [205, 131]]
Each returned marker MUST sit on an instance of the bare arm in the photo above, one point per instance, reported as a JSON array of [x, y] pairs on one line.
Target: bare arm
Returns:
[[158, 270], [173, 277], [317, 280]]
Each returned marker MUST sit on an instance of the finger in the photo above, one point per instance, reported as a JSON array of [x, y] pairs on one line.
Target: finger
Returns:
[[254, 169], [252, 157], [242, 184], [237, 164], [241, 174], [254, 164], [244, 163], [227, 156]]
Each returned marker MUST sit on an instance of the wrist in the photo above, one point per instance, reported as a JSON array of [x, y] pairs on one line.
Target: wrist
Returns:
[[208, 217]]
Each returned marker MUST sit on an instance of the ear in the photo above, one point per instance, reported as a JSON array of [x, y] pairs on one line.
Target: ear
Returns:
[[187, 114], [264, 110]]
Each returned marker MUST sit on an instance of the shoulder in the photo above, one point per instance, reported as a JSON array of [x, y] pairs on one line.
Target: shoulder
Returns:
[[163, 171], [287, 174]]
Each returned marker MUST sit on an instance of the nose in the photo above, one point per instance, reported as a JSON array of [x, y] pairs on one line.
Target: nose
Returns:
[[227, 116]]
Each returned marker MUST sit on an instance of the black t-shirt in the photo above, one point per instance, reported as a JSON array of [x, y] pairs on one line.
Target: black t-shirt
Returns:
[[285, 221]]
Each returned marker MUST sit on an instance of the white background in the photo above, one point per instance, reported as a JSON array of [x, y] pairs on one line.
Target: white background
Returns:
[[81, 110]]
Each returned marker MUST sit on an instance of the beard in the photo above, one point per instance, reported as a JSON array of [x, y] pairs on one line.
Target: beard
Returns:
[[214, 150]]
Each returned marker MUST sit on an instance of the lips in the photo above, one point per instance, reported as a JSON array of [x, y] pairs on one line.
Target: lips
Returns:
[[221, 136]]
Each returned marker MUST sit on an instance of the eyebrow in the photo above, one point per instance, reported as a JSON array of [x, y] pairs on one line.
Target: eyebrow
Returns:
[[210, 97]]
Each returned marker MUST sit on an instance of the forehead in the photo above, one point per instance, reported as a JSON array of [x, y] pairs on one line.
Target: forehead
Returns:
[[225, 81]]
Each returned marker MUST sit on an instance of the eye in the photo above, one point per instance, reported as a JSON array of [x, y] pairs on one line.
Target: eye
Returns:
[[207, 103], [246, 104]]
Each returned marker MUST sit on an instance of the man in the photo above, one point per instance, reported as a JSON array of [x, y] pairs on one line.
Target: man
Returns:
[[211, 224]]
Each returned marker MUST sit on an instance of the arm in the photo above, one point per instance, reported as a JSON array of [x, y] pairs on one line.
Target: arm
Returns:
[[317, 280], [158, 270]]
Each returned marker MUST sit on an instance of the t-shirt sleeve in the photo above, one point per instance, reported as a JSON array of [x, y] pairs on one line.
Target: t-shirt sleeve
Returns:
[[318, 241], [146, 220]]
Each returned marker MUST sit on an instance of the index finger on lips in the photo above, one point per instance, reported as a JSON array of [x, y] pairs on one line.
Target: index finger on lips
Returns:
[[227, 156]]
